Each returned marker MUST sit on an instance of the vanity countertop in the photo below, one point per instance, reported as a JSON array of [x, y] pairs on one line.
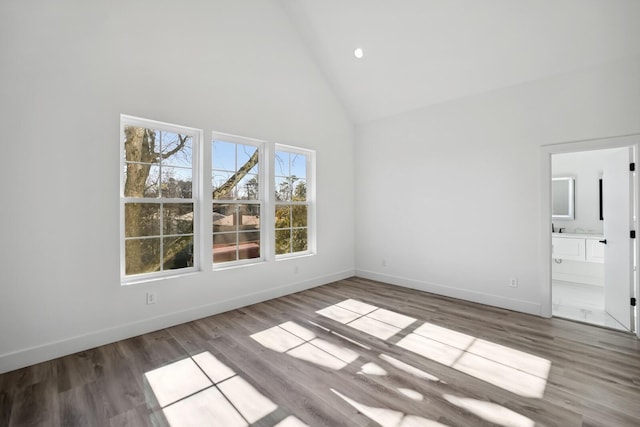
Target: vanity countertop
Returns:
[[579, 235]]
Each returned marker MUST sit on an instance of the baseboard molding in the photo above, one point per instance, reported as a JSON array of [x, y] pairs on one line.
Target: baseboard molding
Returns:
[[448, 291], [576, 278], [52, 350]]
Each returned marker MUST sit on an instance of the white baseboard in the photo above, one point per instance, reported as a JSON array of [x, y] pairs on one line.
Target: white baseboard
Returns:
[[30, 356], [577, 278], [448, 291]]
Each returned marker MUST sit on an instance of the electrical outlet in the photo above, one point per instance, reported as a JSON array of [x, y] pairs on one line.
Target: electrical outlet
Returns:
[[383, 262], [151, 298], [296, 270], [513, 282]]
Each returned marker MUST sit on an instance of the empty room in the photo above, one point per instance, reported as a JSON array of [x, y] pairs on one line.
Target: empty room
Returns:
[[321, 213]]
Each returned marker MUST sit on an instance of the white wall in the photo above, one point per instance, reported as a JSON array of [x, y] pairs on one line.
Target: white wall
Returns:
[[448, 196], [68, 70]]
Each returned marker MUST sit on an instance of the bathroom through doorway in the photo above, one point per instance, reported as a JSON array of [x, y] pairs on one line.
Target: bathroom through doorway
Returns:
[[592, 215]]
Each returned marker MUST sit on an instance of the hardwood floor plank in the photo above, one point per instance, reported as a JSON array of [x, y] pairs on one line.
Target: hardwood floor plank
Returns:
[[83, 406], [135, 417], [35, 405]]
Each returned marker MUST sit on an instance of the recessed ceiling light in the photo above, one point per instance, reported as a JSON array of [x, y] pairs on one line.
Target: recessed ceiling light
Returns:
[[358, 52]]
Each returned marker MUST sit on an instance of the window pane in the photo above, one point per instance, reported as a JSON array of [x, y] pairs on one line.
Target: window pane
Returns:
[[249, 217], [299, 215], [283, 242], [141, 219], [283, 216], [299, 240], [142, 256], [152, 184], [298, 165], [249, 245], [178, 252], [300, 190], [282, 163], [141, 180], [235, 171], [247, 188], [283, 189], [223, 155], [235, 177], [222, 188], [224, 218], [176, 149], [176, 182], [247, 155], [225, 247], [236, 230], [140, 144], [177, 218], [292, 201]]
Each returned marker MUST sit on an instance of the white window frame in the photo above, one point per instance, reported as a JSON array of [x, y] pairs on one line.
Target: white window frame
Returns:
[[196, 197], [310, 202], [261, 201]]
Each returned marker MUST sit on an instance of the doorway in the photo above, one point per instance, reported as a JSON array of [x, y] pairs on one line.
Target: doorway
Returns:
[[578, 236], [589, 262]]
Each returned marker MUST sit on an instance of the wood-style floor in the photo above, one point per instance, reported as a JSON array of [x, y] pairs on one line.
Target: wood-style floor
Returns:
[[351, 353]]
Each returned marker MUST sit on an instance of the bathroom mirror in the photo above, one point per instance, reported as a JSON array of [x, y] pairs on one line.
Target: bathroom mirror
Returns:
[[562, 198]]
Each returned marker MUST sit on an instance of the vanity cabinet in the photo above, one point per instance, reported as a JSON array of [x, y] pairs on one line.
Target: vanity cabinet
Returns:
[[569, 248], [577, 248], [594, 250]]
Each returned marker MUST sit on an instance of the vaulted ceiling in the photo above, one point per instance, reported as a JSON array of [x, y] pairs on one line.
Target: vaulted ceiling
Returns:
[[423, 52]]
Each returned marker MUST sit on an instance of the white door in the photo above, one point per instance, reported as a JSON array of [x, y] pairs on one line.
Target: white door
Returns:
[[616, 208]]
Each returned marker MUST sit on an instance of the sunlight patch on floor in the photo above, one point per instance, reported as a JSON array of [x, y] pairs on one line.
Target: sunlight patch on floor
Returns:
[[418, 373], [339, 314], [202, 391], [357, 306], [212, 367], [176, 381], [389, 417], [431, 349], [513, 370], [411, 394], [298, 330], [207, 408], [342, 353], [291, 421], [359, 344], [371, 368], [302, 343], [313, 354], [277, 339], [378, 329], [444, 335], [491, 412], [367, 318], [252, 404], [392, 318], [503, 376]]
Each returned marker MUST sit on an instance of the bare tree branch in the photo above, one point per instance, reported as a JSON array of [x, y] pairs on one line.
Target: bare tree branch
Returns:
[[225, 188], [183, 140]]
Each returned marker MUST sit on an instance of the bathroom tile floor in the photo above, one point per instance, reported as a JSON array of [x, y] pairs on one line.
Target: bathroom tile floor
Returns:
[[581, 302]]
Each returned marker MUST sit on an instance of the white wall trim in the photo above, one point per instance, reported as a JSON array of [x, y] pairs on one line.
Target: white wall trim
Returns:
[[546, 151], [578, 278], [30, 356], [448, 291]]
